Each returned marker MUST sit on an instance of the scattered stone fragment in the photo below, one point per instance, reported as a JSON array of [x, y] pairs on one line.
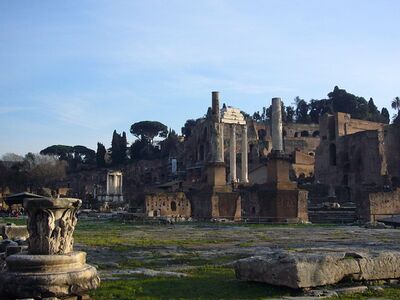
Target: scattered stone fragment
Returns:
[[393, 281], [376, 288], [15, 232], [352, 290], [376, 225], [5, 244], [151, 273]]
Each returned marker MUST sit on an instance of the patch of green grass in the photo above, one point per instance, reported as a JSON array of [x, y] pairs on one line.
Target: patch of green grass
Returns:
[[116, 236], [206, 282], [16, 221], [246, 244], [272, 225], [389, 293]]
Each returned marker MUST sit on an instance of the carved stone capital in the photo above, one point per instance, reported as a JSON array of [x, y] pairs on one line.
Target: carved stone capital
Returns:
[[51, 224]]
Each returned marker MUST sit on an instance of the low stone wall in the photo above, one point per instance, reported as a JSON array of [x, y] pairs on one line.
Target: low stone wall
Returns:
[[374, 205], [277, 205], [207, 204]]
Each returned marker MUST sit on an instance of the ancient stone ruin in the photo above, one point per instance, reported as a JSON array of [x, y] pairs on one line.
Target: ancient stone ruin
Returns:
[[50, 268]]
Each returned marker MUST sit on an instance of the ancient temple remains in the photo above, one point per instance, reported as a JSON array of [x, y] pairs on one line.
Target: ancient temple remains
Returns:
[[50, 268], [235, 119], [114, 188], [216, 199]]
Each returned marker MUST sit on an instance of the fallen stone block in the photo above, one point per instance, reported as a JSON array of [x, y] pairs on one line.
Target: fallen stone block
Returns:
[[318, 268]]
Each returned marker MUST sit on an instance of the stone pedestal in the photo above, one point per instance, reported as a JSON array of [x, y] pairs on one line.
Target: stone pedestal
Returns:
[[37, 276], [279, 199], [216, 174], [278, 168], [50, 268]]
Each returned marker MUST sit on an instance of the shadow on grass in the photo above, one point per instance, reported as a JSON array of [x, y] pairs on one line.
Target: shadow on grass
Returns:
[[203, 283]]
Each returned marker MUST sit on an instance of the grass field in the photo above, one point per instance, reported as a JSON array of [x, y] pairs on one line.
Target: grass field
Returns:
[[204, 252]]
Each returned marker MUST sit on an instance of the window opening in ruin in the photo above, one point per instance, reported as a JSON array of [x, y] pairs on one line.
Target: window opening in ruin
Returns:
[[304, 133], [332, 154], [315, 133], [296, 134], [253, 210], [331, 128], [261, 134], [173, 206]]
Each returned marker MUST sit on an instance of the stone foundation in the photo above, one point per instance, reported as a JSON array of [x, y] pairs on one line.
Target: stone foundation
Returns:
[[38, 276]]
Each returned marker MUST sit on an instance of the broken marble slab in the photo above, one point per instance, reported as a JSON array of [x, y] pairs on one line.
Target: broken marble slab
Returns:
[[318, 268]]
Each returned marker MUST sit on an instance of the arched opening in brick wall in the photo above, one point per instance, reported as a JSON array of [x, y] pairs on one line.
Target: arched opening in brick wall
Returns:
[[304, 133], [173, 206]]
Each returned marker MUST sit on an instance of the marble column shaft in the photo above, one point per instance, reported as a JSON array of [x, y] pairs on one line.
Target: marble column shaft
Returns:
[[222, 154], [217, 131], [245, 166], [276, 128], [233, 154]]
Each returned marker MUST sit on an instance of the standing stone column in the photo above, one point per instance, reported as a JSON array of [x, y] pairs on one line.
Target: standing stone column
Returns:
[[222, 154], [276, 128], [115, 184], [215, 107], [108, 183], [245, 166], [120, 185], [233, 154], [216, 145]]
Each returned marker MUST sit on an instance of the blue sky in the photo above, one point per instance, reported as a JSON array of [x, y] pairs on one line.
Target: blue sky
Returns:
[[73, 71]]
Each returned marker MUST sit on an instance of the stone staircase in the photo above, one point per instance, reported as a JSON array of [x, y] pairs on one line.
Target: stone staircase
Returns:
[[323, 215]]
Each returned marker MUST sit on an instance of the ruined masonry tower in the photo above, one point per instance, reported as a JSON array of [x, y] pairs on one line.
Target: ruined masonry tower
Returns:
[[280, 199]]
